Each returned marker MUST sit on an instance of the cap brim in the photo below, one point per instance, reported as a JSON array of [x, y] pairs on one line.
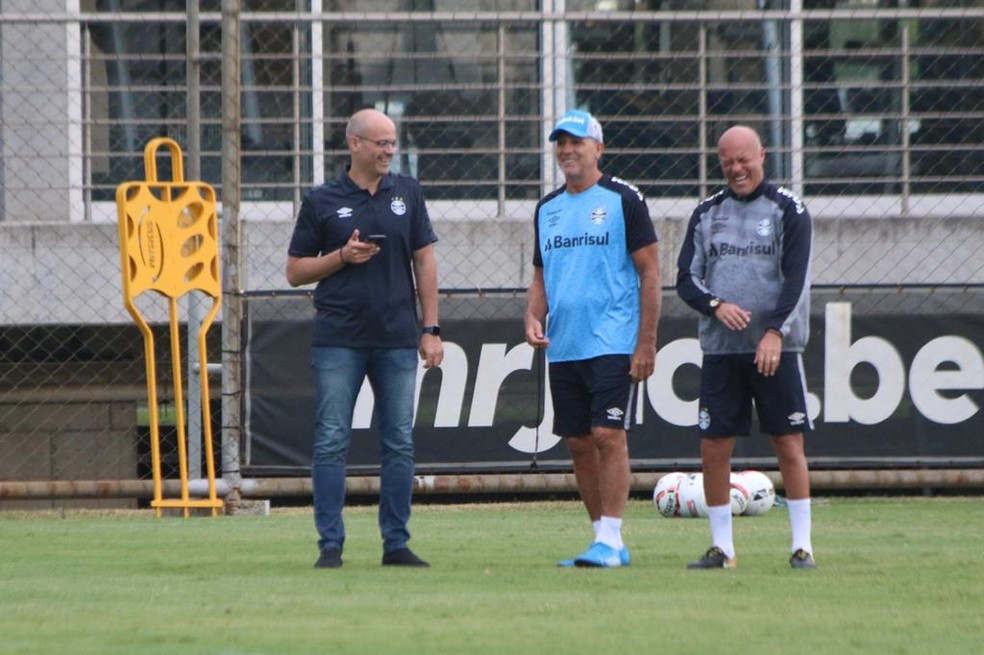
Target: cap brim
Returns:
[[556, 133]]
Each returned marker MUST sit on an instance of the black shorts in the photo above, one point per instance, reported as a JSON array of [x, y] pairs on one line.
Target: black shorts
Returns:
[[729, 384], [592, 392]]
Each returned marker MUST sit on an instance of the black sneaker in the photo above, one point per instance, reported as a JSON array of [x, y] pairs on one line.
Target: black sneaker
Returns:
[[714, 558], [802, 560], [402, 557], [329, 559]]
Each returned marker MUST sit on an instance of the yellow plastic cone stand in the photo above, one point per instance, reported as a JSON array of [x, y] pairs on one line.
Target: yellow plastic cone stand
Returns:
[[169, 244]]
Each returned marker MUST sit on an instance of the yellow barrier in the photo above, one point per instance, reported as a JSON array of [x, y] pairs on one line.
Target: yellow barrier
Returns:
[[169, 244]]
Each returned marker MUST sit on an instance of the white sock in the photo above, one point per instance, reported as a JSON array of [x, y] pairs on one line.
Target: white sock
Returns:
[[610, 532], [720, 520], [800, 523], [596, 526]]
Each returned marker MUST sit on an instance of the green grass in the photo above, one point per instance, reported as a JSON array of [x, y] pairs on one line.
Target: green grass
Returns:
[[895, 576]]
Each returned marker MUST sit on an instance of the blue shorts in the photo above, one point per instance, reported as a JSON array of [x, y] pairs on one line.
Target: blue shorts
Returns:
[[597, 392], [729, 384]]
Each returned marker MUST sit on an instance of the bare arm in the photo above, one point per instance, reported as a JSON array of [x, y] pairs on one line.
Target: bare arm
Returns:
[[304, 270], [647, 265], [536, 311], [425, 275]]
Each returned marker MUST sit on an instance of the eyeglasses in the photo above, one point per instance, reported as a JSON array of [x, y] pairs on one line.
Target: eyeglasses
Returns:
[[381, 143]]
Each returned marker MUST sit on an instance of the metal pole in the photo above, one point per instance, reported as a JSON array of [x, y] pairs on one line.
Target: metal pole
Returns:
[[773, 78], [196, 308], [500, 79], [702, 137], [556, 94], [906, 138], [796, 98], [968, 479], [317, 99], [232, 300]]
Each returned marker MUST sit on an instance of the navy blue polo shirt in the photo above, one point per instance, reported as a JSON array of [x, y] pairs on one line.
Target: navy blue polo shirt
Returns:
[[371, 305]]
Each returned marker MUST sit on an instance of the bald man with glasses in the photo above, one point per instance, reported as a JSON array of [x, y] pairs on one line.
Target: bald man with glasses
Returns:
[[366, 240]]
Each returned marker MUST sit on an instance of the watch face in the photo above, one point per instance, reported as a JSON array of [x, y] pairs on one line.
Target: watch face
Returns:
[[432, 329], [715, 303]]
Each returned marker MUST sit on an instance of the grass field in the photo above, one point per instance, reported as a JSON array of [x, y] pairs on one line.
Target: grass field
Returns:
[[895, 576]]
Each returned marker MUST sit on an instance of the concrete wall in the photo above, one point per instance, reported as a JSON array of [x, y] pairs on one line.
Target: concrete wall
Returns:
[[88, 439], [69, 273], [40, 117]]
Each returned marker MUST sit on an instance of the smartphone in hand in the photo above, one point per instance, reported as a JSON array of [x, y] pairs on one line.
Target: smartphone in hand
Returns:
[[374, 238]]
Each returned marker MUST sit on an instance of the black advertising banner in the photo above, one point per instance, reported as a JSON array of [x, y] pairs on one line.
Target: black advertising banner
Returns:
[[892, 382]]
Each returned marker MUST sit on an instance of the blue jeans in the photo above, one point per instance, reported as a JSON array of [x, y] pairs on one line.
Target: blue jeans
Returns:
[[338, 376]]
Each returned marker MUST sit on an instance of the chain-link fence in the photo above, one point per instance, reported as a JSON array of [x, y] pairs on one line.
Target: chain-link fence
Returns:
[[873, 114]]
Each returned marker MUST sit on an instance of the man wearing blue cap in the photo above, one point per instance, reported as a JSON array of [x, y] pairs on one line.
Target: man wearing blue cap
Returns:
[[596, 276]]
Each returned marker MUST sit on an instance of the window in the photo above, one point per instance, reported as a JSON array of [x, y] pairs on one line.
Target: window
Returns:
[[136, 77], [889, 105], [465, 96], [891, 102]]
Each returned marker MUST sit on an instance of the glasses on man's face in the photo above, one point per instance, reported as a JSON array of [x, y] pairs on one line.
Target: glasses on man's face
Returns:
[[381, 143]]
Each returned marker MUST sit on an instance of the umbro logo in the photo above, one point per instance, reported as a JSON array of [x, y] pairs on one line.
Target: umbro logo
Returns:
[[344, 212], [797, 418], [614, 413]]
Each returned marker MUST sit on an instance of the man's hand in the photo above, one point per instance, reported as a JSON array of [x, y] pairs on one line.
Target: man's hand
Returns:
[[431, 350], [733, 316], [358, 252], [534, 333], [643, 362], [768, 353]]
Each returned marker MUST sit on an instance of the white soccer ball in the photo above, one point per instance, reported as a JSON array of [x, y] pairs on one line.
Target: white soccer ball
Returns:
[[665, 496], [761, 492], [690, 494], [739, 495]]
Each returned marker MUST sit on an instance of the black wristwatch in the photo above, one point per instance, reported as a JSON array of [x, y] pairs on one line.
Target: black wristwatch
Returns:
[[432, 329], [714, 304]]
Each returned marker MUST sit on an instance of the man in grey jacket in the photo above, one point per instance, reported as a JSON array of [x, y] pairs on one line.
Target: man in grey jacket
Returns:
[[745, 266]]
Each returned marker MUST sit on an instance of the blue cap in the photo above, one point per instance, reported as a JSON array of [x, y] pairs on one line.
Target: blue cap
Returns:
[[580, 124]]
